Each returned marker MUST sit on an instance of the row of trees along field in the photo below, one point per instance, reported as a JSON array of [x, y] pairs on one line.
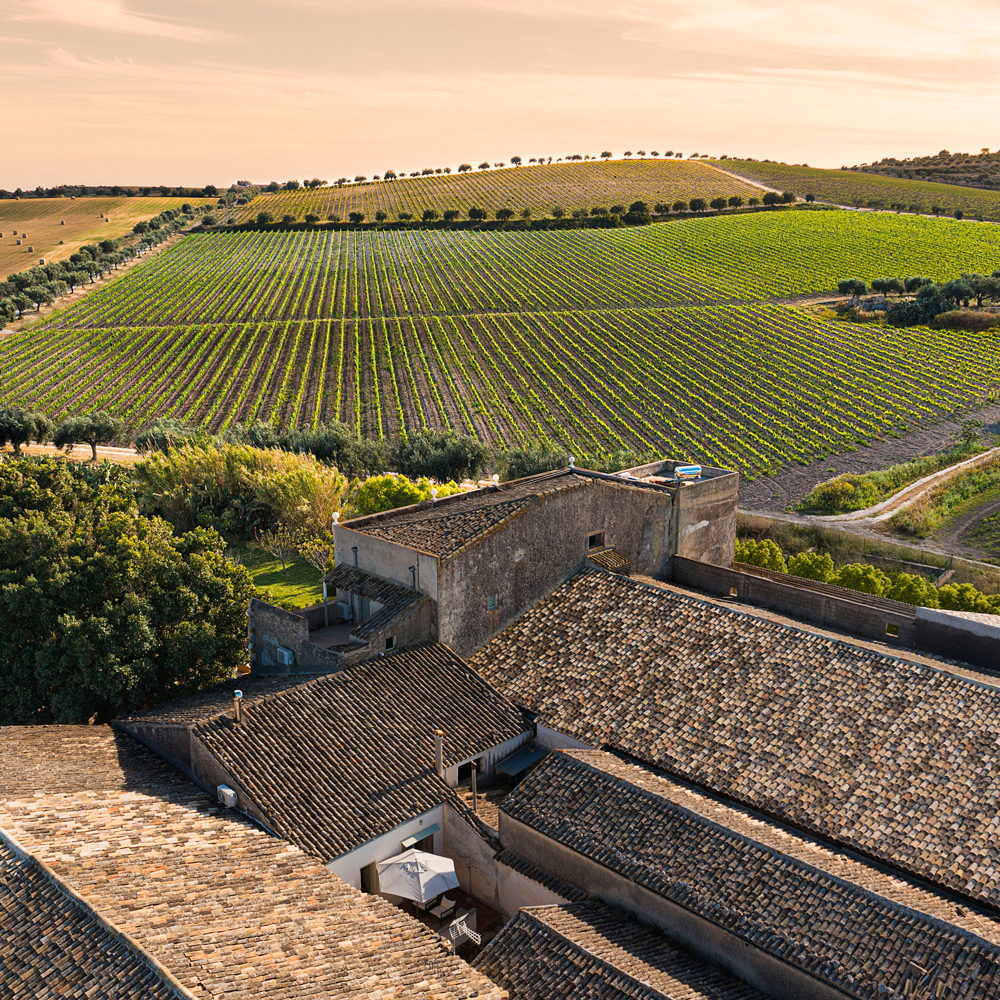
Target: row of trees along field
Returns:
[[636, 214], [42, 284], [931, 299], [515, 161]]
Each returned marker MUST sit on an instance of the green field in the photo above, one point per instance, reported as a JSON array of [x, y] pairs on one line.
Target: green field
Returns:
[[849, 187], [255, 277], [646, 338], [57, 227], [538, 188]]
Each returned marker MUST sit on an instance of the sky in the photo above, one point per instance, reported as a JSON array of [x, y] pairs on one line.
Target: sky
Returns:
[[212, 91]]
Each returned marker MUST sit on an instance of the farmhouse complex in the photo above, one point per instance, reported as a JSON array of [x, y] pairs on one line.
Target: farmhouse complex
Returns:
[[543, 739]]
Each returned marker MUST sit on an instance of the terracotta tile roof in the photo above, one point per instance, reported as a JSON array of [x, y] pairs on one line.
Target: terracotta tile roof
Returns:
[[449, 525], [350, 755], [53, 946], [393, 597], [226, 908], [589, 951], [894, 759], [543, 878], [217, 699], [628, 819], [613, 562]]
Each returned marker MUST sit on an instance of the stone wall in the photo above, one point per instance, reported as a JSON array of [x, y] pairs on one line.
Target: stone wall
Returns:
[[832, 607], [270, 627], [535, 551]]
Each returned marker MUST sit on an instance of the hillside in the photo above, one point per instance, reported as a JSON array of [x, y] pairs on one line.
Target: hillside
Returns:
[[539, 188], [86, 220], [250, 276], [971, 169], [524, 336], [867, 190]]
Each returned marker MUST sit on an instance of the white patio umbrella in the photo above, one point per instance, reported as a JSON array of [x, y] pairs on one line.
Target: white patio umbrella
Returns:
[[417, 875]]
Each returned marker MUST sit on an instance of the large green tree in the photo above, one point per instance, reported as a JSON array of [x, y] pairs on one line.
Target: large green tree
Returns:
[[89, 428], [103, 610]]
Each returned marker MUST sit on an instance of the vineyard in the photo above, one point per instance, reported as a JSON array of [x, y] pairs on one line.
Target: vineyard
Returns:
[[251, 277], [642, 338], [41, 219], [538, 188], [849, 187]]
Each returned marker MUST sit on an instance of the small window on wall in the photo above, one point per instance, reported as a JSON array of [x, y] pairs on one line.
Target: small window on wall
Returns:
[[596, 540], [390, 642], [492, 602]]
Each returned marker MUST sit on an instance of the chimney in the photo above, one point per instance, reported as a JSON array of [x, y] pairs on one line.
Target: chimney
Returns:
[[439, 752], [238, 707]]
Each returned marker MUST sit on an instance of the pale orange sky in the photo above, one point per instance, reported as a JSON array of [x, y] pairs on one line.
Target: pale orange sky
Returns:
[[211, 91]]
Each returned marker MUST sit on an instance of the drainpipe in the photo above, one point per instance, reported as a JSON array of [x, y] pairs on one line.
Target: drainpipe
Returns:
[[413, 578], [475, 789], [439, 752], [354, 597]]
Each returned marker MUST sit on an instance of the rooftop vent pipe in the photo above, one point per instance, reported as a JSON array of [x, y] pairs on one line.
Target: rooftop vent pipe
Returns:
[[238, 707], [439, 752], [434, 495], [572, 461]]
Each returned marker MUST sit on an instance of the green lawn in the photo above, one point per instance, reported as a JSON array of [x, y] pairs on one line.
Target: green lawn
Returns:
[[296, 586]]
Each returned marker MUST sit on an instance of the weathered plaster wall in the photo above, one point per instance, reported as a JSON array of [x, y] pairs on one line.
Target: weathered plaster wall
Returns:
[[386, 559], [487, 760], [970, 640], [828, 606], [482, 876]]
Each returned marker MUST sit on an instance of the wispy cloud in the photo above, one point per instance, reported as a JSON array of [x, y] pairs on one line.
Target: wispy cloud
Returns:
[[111, 16]]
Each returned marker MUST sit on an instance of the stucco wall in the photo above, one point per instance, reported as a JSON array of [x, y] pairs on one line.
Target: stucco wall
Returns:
[[534, 552], [948, 635], [751, 964], [705, 519], [482, 876], [348, 866], [487, 760], [848, 611], [386, 559], [555, 740]]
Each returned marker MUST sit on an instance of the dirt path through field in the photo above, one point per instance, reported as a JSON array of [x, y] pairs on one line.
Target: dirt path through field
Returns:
[[79, 453], [789, 487]]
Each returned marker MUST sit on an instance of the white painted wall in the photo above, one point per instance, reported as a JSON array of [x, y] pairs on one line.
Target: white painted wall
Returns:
[[552, 739], [489, 759], [348, 866]]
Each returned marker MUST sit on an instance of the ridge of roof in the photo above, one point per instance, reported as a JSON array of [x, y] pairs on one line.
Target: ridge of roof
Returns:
[[113, 955], [631, 820], [865, 750], [603, 954]]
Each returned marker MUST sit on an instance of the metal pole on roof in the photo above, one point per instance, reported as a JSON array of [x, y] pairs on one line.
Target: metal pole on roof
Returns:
[[475, 789]]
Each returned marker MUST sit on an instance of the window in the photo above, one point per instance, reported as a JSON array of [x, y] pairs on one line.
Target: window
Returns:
[[390, 642], [596, 540], [891, 629], [492, 602]]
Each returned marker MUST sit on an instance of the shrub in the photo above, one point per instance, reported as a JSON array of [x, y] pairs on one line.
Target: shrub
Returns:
[[862, 577], [912, 589], [516, 463], [763, 553], [386, 492], [812, 566], [440, 455], [240, 490]]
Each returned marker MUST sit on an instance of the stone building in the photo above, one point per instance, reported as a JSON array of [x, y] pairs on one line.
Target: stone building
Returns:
[[459, 568]]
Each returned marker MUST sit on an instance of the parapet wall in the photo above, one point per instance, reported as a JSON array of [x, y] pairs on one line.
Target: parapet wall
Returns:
[[821, 604]]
